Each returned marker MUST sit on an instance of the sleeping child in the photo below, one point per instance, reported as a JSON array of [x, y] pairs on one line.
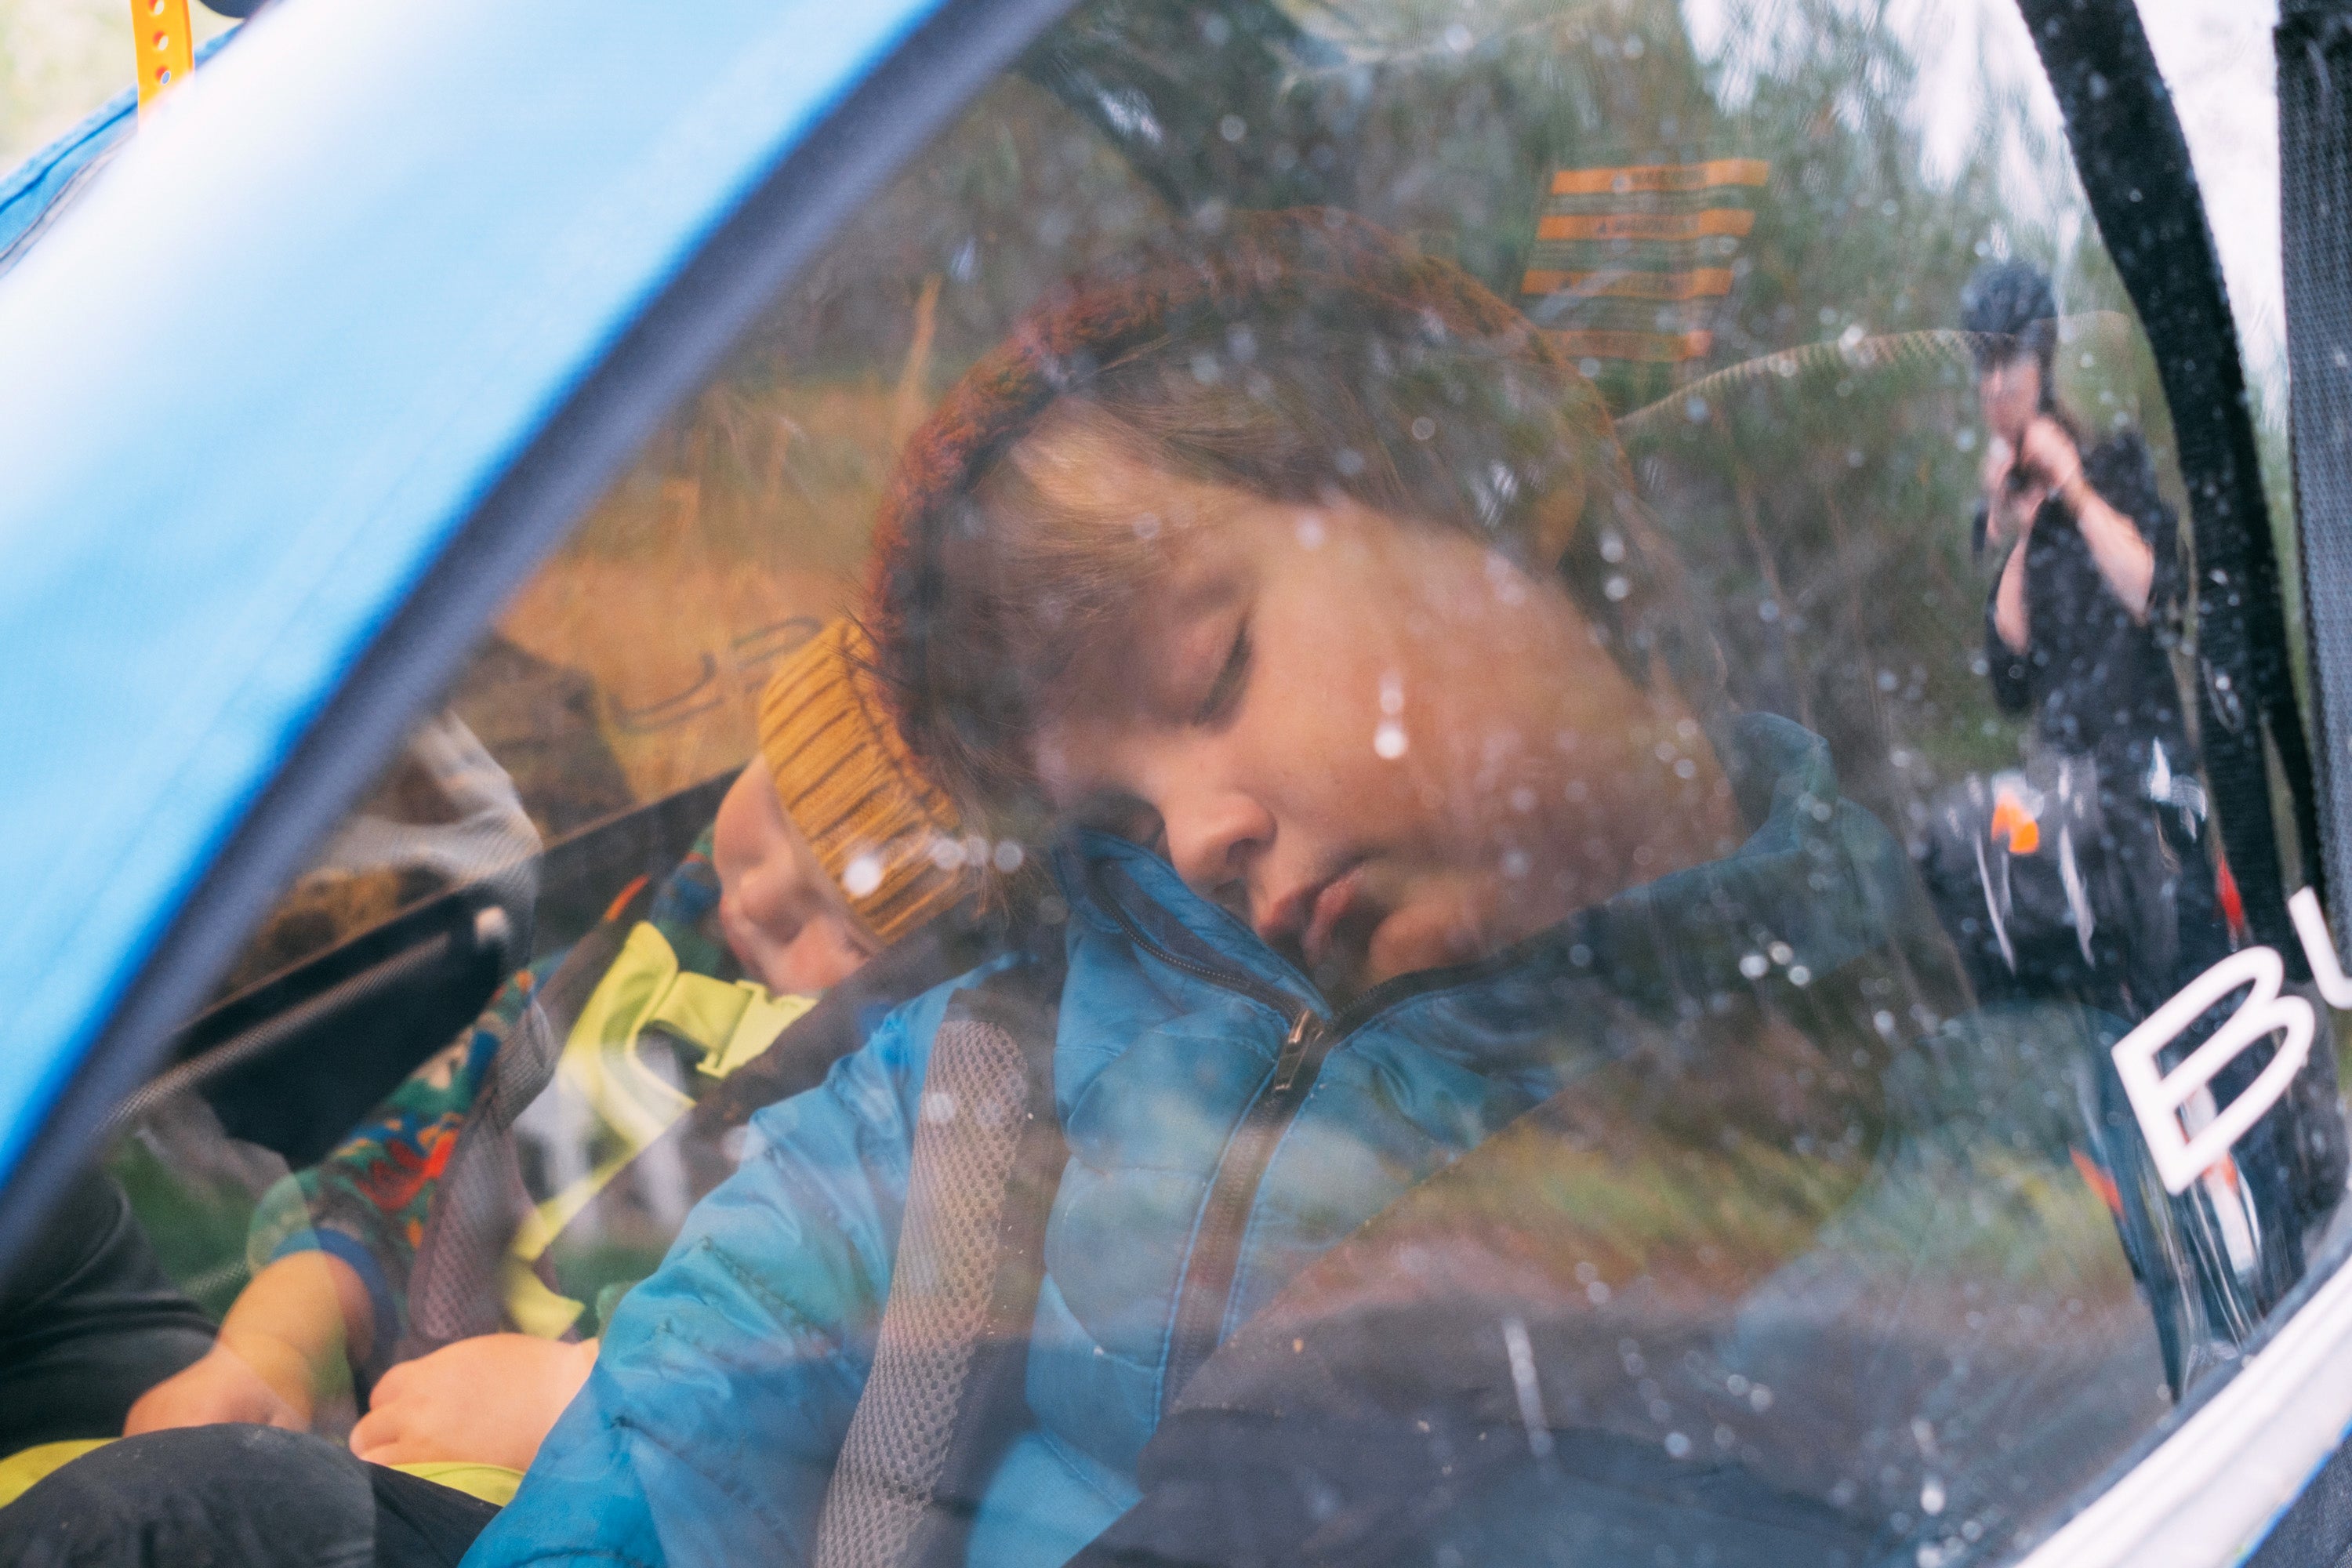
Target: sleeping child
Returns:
[[1294, 591]]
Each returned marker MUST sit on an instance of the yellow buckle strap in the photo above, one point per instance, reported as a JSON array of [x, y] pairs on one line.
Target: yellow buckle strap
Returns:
[[733, 1023], [600, 1066], [19, 1471]]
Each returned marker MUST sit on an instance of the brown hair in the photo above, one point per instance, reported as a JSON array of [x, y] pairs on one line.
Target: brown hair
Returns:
[[1306, 357]]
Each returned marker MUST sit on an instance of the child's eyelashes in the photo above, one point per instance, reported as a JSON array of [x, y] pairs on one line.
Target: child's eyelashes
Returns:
[[1225, 690]]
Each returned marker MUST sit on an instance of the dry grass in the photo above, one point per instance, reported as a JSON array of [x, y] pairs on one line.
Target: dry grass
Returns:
[[744, 527], [678, 650]]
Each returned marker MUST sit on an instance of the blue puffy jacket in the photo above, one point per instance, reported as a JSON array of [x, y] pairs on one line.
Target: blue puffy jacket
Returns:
[[710, 1426]]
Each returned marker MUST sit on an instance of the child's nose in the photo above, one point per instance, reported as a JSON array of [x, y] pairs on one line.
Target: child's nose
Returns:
[[1213, 837]]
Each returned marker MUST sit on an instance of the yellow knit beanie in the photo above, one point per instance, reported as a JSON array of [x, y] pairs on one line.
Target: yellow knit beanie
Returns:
[[883, 832]]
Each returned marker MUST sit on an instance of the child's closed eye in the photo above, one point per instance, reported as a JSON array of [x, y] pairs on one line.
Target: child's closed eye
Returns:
[[1225, 692]]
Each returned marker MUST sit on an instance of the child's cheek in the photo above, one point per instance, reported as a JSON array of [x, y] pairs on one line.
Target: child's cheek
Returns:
[[736, 931], [820, 956]]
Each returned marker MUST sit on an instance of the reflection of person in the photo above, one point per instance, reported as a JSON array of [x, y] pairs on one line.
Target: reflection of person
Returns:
[[2079, 629], [339, 1246], [1382, 830], [2085, 611]]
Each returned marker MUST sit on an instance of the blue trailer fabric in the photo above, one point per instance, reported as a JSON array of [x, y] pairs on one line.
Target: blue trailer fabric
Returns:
[[30, 195], [253, 384]]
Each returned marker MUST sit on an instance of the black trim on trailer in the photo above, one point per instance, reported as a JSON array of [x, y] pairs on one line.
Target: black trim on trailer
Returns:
[[2314, 54], [2136, 174], [377, 1005], [2315, 103], [669, 351]]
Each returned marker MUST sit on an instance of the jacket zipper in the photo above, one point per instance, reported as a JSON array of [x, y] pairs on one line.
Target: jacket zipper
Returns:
[[1205, 1293]]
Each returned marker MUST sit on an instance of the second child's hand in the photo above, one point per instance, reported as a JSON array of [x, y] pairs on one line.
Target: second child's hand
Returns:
[[254, 1381], [280, 1348], [489, 1400]]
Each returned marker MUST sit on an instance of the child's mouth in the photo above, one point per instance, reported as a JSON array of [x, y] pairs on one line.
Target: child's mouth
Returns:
[[1323, 916]]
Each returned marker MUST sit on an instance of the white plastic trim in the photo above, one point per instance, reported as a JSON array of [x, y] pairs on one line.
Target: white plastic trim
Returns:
[[2208, 1494], [2158, 1096]]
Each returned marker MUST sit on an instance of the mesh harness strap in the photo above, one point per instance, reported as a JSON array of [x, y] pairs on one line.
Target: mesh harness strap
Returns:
[[944, 1399], [482, 1193]]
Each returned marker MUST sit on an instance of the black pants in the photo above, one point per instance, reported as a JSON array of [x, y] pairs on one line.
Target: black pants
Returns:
[[88, 1321], [235, 1497]]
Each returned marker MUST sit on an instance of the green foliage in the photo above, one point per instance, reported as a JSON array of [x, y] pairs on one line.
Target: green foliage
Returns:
[[194, 1216]]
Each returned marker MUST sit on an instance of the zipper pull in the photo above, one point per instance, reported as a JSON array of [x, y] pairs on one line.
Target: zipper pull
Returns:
[[1306, 1027]]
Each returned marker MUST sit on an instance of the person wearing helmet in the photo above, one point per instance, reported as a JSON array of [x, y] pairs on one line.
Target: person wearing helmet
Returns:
[[2086, 613], [2081, 627]]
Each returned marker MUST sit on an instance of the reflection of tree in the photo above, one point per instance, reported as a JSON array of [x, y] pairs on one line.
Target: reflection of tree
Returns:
[[1825, 511], [1826, 515]]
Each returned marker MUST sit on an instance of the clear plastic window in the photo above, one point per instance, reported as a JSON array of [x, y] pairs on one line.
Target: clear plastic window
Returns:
[[1446, 757]]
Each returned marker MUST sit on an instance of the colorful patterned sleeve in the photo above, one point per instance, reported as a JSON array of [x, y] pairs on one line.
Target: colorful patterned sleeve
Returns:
[[367, 1201]]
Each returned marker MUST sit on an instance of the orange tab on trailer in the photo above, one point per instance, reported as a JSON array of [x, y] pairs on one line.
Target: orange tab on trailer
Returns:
[[165, 43]]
